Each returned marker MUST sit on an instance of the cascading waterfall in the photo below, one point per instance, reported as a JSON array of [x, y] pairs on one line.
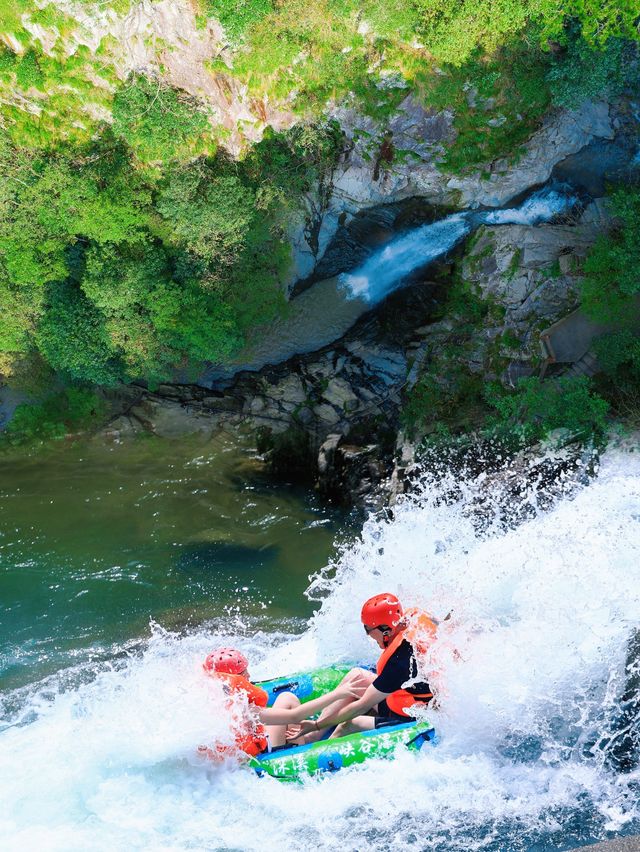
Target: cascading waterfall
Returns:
[[385, 271], [528, 669]]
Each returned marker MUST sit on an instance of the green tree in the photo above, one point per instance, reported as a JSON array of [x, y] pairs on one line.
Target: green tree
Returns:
[[454, 29], [211, 211], [612, 269], [68, 410], [158, 123], [585, 72], [73, 337]]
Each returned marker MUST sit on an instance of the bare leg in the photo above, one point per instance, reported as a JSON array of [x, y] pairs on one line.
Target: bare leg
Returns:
[[360, 677], [358, 723], [278, 733]]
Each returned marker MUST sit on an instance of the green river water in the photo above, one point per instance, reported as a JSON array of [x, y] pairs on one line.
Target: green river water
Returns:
[[97, 539]]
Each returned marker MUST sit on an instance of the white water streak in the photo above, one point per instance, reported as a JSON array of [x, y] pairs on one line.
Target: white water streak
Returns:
[[385, 271]]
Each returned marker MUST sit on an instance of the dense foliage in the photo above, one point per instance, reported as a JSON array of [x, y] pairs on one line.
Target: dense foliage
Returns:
[[133, 247], [538, 408], [612, 270], [58, 414], [156, 122], [112, 272]]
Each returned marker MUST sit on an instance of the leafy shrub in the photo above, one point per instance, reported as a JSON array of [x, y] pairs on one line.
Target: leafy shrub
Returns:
[[537, 408], [28, 73], [617, 349], [588, 73], [455, 400], [8, 63], [236, 16], [619, 356], [282, 166], [612, 268], [157, 122], [69, 410]]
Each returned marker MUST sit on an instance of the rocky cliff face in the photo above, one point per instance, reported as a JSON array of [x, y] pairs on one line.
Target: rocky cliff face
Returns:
[[531, 275], [361, 182], [163, 40]]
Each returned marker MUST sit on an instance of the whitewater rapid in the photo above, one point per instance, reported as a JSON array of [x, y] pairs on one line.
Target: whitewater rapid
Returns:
[[527, 671]]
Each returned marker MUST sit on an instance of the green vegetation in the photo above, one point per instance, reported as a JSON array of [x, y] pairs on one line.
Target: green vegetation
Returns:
[[454, 400], [612, 270], [448, 394], [498, 102], [132, 246], [537, 408], [611, 294], [113, 272], [67, 411], [584, 72], [156, 122], [236, 16], [454, 30]]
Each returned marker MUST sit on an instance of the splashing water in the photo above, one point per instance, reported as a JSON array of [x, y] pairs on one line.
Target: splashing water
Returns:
[[527, 670], [541, 207], [386, 270]]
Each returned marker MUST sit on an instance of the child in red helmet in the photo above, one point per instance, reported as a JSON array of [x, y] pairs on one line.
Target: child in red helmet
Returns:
[[265, 729]]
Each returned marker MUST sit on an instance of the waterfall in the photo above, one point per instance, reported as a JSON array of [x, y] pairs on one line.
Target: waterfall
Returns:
[[389, 267]]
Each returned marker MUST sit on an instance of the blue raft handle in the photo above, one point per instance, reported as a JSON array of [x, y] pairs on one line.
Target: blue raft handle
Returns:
[[330, 761], [284, 687]]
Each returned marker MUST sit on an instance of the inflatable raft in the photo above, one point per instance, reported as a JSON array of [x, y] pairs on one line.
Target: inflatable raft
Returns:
[[330, 755]]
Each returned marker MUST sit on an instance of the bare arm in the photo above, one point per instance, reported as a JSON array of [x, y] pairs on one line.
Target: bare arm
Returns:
[[276, 716], [371, 697]]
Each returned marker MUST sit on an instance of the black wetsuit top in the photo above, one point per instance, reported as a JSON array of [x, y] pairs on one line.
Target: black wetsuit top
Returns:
[[400, 667]]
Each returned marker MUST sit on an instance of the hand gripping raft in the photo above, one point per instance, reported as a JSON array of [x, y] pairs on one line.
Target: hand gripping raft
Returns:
[[298, 762]]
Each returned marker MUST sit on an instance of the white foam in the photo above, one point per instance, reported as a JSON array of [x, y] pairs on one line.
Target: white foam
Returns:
[[540, 207], [541, 618]]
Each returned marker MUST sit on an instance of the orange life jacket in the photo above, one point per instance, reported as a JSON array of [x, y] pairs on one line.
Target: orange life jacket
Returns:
[[420, 630], [249, 738]]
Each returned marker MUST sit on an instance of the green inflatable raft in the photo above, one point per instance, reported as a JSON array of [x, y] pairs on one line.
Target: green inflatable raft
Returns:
[[330, 755]]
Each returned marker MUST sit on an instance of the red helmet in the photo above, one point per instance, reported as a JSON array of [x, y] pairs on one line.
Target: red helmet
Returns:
[[381, 609], [226, 661]]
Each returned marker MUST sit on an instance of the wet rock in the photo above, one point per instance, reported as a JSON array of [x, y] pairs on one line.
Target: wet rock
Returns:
[[170, 419], [290, 391], [222, 404], [326, 453], [326, 414], [122, 428], [349, 474], [340, 394]]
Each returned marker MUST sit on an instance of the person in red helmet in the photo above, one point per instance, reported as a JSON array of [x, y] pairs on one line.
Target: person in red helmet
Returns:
[[385, 699], [262, 728]]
